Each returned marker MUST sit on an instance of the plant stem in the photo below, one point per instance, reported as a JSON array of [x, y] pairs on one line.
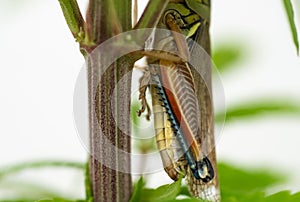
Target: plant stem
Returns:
[[106, 18]]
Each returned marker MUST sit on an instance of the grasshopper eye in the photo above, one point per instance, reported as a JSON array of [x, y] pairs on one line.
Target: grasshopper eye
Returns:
[[205, 171]]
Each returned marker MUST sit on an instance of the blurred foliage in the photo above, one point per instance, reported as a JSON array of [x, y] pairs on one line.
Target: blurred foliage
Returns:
[[242, 185], [163, 193], [237, 185], [291, 17], [256, 108], [4, 172], [135, 107], [59, 200], [26, 191], [137, 191], [88, 183], [237, 181], [225, 55], [143, 145]]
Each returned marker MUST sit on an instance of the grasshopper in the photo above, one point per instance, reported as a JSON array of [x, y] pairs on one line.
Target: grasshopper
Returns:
[[174, 100]]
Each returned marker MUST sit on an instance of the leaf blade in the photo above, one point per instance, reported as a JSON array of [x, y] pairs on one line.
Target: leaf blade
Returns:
[[257, 108], [137, 192], [226, 55], [291, 18]]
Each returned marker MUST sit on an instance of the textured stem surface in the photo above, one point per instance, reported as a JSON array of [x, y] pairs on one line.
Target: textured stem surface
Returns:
[[106, 18]]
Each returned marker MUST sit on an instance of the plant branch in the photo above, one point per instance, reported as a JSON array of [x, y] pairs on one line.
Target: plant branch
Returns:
[[73, 18], [147, 20], [154, 8]]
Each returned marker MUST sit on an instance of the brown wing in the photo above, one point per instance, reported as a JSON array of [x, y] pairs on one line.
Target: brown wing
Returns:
[[179, 87]]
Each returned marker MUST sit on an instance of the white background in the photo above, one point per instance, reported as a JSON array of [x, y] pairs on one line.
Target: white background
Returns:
[[40, 62]]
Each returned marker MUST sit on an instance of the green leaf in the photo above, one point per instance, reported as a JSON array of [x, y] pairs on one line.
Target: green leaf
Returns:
[[253, 109], [290, 13], [59, 200], [283, 196], [135, 106], [15, 200], [186, 200], [246, 185], [137, 191], [225, 55], [37, 164], [237, 185], [140, 143], [88, 183], [185, 191], [26, 190], [161, 194], [234, 179]]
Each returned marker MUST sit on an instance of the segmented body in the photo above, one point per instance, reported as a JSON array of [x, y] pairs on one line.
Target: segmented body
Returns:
[[174, 103]]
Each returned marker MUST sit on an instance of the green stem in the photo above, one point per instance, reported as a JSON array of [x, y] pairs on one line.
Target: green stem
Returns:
[[154, 8], [147, 20], [73, 18]]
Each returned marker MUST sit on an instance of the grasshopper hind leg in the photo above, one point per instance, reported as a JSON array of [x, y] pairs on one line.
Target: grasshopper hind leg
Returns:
[[174, 164], [173, 159], [176, 169]]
